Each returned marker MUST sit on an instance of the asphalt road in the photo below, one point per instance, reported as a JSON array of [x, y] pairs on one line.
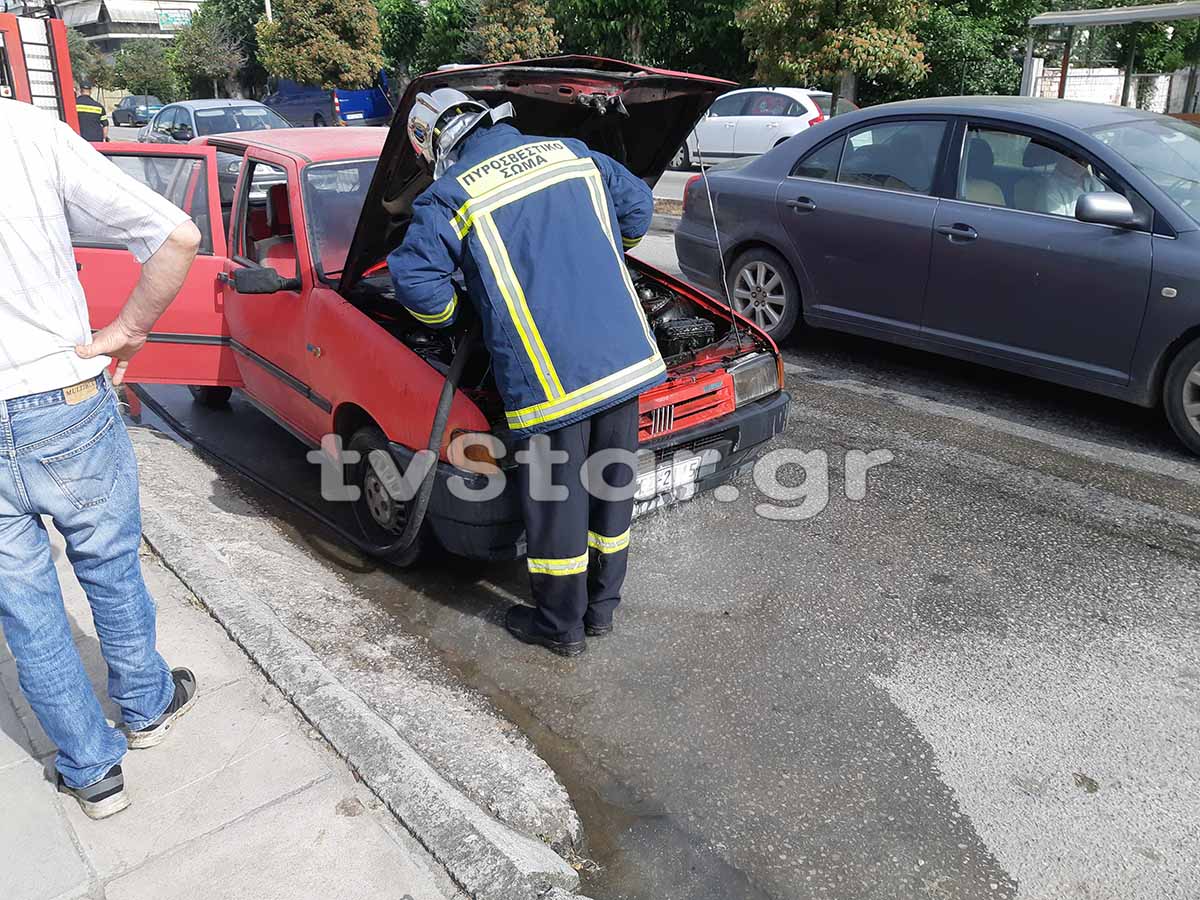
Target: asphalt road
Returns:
[[670, 185], [979, 680], [122, 133]]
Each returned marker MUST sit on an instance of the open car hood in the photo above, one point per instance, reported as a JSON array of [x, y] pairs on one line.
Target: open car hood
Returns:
[[638, 116]]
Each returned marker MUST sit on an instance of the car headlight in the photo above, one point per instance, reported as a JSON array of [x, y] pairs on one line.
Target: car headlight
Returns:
[[754, 376]]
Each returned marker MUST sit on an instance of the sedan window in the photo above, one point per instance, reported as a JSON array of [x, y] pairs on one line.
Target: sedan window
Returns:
[[1003, 168], [1167, 151], [769, 104], [729, 105], [898, 156], [822, 163]]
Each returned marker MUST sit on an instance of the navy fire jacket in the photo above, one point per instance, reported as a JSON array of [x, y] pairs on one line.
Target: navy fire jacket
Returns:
[[538, 227]]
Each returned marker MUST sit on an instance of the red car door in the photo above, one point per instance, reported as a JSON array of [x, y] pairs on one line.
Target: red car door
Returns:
[[190, 344]]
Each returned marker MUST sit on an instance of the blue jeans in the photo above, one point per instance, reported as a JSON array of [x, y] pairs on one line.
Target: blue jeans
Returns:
[[75, 465]]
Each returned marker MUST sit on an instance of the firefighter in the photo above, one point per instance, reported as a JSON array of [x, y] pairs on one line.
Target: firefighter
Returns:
[[93, 123], [538, 227]]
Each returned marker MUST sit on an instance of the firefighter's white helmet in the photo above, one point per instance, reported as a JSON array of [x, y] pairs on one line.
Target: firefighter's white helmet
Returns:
[[440, 120]]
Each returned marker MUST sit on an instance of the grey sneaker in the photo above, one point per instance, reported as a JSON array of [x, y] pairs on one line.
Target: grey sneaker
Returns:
[[156, 732], [105, 798]]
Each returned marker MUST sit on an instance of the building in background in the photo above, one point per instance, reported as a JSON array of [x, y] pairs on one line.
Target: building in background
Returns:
[[108, 23]]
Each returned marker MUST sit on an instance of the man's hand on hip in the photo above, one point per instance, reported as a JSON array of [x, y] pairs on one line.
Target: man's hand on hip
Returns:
[[116, 340]]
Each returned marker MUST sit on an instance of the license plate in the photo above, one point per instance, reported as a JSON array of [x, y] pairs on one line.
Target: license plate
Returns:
[[354, 115], [676, 476]]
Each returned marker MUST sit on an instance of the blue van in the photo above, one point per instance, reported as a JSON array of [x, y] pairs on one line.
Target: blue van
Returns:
[[303, 105]]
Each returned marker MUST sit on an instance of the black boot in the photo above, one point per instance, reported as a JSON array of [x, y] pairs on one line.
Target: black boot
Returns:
[[519, 623]]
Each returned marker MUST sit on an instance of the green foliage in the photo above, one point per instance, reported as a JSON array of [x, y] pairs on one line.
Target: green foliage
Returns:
[[207, 51], [239, 17], [332, 43], [144, 67], [812, 42], [401, 27], [87, 64], [690, 35], [447, 32], [505, 30]]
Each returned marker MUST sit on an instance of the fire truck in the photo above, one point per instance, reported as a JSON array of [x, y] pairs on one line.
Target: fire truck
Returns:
[[35, 66]]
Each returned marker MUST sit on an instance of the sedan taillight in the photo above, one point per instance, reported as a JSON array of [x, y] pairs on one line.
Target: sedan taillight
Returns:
[[687, 189]]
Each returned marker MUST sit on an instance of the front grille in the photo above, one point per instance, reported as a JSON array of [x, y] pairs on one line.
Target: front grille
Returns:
[[722, 442], [662, 419]]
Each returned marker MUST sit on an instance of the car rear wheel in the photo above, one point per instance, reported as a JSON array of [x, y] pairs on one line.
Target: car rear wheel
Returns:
[[1181, 395], [381, 517], [763, 289], [212, 397], [319, 121], [682, 158]]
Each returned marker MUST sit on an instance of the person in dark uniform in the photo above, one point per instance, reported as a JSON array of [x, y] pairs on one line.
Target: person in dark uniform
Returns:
[[538, 226], [93, 123]]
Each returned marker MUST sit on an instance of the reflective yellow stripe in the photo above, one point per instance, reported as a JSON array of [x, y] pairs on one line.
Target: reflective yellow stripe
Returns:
[[589, 394], [438, 318], [518, 308], [629, 243], [517, 189], [608, 544], [596, 186], [98, 110], [571, 565]]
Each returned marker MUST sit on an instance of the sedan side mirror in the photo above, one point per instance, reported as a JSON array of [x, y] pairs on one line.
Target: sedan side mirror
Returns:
[[261, 280], [182, 132], [1106, 208]]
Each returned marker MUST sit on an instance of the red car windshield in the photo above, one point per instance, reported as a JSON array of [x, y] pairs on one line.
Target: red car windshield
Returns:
[[334, 194]]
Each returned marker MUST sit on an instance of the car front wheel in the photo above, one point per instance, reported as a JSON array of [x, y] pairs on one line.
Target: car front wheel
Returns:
[[1181, 395], [682, 158], [318, 121], [212, 397], [381, 517], [763, 289]]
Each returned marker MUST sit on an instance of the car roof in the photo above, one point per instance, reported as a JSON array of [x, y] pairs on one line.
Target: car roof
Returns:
[[211, 104], [1074, 113], [788, 91], [311, 144]]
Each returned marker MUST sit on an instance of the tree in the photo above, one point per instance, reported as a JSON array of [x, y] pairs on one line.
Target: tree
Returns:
[[831, 42], [207, 50], [239, 17], [447, 31], [690, 35], [89, 67], [401, 27], [505, 30], [142, 67], [331, 43]]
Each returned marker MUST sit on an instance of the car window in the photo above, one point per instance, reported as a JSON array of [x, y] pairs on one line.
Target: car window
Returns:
[[334, 195], [729, 105], [225, 119], [265, 236], [1167, 151], [1017, 171], [899, 156], [821, 163], [184, 182], [164, 119], [768, 104], [823, 101]]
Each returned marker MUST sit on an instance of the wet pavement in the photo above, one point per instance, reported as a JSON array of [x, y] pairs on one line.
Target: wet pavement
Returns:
[[980, 680]]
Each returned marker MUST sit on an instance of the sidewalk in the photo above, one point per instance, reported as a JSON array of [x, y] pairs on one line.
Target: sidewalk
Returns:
[[244, 801]]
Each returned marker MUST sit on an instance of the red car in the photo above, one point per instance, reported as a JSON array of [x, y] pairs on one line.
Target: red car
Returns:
[[290, 302]]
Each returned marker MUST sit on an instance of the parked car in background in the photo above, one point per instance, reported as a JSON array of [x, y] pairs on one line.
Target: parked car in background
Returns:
[[136, 109], [751, 121], [179, 123], [304, 105], [1053, 238]]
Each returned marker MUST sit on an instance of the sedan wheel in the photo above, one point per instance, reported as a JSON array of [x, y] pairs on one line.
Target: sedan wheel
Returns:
[[1181, 395], [682, 159], [763, 289], [381, 517]]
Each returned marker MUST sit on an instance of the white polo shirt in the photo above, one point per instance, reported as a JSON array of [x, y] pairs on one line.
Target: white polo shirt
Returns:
[[54, 184]]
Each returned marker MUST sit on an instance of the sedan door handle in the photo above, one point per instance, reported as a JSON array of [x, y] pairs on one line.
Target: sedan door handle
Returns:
[[957, 231], [802, 204]]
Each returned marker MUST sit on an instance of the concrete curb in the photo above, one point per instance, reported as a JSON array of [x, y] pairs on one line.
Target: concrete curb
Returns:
[[487, 858]]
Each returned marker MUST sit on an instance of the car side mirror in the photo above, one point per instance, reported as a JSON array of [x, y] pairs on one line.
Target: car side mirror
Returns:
[[1106, 208], [182, 132], [261, 280]]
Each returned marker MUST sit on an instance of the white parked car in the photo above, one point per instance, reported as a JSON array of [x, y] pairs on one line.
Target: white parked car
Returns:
[[751, 121]]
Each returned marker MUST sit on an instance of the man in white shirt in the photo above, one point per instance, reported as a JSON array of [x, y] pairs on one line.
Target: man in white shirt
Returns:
[[64, 452]]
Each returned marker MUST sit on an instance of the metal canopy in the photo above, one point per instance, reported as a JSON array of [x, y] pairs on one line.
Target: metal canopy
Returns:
[[1121, 15]]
